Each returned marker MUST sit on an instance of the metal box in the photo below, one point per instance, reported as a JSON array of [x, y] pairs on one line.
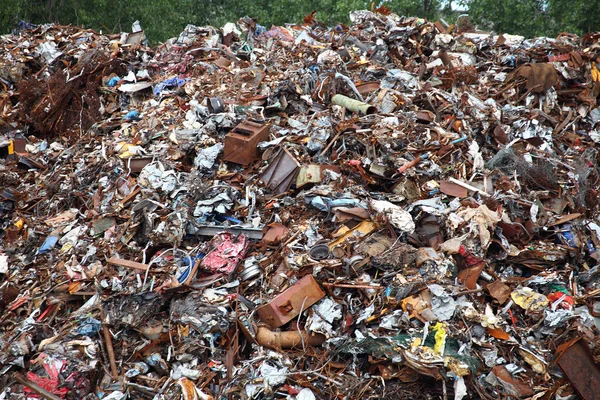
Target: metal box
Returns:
[[241, 142], [288, 305]]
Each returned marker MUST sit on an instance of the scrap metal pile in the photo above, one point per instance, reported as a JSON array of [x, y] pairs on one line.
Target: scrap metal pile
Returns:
[[394, 208]]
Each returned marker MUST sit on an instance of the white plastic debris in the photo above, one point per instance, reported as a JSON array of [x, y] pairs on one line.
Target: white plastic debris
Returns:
[[273, 376], [474, 152], [183, 372], [366, 313], [206, 157], [442, 304], [324, 314], [230, 27], [397, 216], [460, 389], [48, 50], [3, 264], [116, 395], [155, 176], [306, 394], [481, 219]]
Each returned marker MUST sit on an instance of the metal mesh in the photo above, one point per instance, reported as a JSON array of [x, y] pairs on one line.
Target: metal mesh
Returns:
[[538, 175]]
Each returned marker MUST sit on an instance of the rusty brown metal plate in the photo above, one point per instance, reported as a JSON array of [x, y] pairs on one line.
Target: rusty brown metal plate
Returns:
[[576, 361], [288, 305]]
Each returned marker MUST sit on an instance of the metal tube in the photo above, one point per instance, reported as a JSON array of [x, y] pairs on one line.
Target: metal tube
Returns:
[[353, 105], [287, 339]]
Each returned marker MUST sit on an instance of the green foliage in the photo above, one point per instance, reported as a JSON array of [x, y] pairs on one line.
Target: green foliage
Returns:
[[534, 17], [417, 8], [162, 19], [523, 17], [573, 16]]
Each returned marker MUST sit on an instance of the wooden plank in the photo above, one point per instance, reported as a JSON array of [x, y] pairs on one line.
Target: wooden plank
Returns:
[[126, 263]]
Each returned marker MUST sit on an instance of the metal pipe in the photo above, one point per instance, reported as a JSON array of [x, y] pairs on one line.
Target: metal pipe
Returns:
[[287, 339], [109, 348], [353, 105]]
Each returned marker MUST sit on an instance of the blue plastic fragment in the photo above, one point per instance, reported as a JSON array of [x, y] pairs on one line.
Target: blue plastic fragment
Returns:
[[184, 275], [90, 327], [113, 81], [565, 236], [24, 26], [510, 60], [131, 115], [171, 82], [259, 30], [191, 262], [228, 218], [49, 243], [590, 246], [461, 139]]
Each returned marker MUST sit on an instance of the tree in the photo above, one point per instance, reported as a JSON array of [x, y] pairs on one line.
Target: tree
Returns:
[[524, 17], [534, 17], [573, 16], [416, 8]]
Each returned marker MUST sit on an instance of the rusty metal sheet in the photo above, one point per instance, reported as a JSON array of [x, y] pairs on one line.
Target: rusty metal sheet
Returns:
[[286, 306], [499, 291], [215, 105], [223, 62], [19, 145], [135, 38], [281, 172], [512, 385], [439, 27], [127, 263], [241, 143], [469, 276], [274, 233], [515, 232], [425, 116], [452, 189], [137, 164], [540, 76], [366, 88], [576, 361]]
